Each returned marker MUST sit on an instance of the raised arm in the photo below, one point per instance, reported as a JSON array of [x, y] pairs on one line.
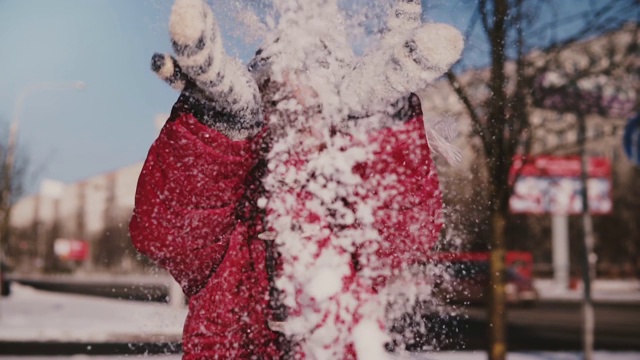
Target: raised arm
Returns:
[[215, 83], [410, 57]]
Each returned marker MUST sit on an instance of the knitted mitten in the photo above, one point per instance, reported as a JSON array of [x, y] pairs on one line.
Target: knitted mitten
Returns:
[[217, 88], [411, 55]]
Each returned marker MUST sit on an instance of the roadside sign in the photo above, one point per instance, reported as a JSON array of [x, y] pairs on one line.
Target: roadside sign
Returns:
[[71, 249], [552, 185], [631, 139]]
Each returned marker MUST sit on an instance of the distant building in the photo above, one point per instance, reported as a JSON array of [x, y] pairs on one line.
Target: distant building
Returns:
[[96, 210], [605, 95]]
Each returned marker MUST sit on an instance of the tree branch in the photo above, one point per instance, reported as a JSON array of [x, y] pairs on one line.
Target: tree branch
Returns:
[[462, 95]]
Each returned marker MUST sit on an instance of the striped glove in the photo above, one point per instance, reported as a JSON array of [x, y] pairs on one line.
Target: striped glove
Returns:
[[217, 88]]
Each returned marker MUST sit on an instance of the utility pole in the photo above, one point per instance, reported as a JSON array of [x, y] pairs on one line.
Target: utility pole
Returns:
[[497, 304], [588, 256], [497, 301]]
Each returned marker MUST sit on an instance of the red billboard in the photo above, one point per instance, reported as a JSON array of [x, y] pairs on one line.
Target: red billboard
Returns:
[[553, 185], [71, 249]]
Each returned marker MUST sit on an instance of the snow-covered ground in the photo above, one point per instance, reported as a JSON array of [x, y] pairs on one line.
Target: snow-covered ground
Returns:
[[618, 291], [34, 315], [454, 355]]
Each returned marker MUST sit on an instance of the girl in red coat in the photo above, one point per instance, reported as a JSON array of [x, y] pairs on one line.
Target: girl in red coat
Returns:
[[284, 197]]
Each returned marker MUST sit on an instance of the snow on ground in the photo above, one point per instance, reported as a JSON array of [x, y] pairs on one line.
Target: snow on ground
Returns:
[[457, 355], [35, 315], [30, 314], [599, 355], [619, 291]]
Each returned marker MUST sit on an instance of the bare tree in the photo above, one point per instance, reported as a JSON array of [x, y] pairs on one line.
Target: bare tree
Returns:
[[499, 104], [12, 184]]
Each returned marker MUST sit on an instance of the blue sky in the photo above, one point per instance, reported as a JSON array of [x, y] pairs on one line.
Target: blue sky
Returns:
[[68, 134], [71, 135]]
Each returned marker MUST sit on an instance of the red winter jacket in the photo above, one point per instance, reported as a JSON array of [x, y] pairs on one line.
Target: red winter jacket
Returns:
[[185, 219]]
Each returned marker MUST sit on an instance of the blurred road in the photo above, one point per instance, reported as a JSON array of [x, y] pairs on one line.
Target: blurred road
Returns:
[[141, 288], [558, 326], [551, 325]]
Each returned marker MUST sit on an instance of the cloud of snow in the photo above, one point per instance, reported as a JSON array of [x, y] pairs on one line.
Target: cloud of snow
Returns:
[[320, 206], [320, 209]]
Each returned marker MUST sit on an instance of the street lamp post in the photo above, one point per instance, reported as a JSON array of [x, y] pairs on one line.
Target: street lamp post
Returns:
[[9, 158], [588, 256]]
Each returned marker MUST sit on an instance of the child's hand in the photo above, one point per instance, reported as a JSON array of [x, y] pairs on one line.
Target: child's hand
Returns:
[[217, 88]]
